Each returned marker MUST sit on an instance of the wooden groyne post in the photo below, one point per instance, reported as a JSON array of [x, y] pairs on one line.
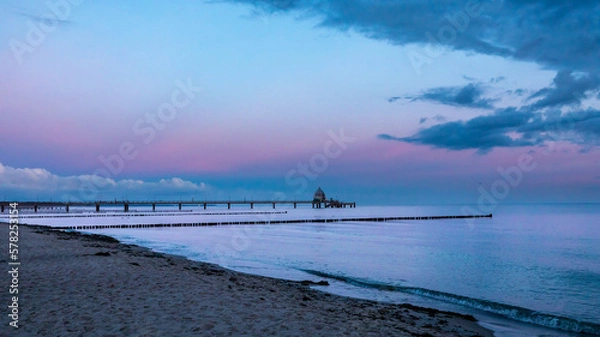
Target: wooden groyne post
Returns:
[[271, 222]]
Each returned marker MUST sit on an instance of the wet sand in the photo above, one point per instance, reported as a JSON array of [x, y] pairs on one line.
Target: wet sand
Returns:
[[72, 284]]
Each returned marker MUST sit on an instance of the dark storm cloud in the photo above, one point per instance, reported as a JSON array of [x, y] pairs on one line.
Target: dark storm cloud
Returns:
[[567, 89], [533, 124], [509, 128], [41, 16], [555, 34], [559, 35], [469, 96], [482, 133], [45, 19]]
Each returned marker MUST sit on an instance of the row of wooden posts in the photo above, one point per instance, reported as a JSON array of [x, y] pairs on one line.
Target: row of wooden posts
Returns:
[[272, 222]]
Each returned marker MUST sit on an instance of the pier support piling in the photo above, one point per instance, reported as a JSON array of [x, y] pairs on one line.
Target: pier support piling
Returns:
[[96, 205]]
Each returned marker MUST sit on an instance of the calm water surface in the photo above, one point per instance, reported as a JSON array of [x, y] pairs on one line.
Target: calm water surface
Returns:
[[535, 264]]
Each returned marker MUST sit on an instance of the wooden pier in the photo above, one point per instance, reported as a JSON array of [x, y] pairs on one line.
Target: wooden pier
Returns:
[[269, 222], [126, 204]]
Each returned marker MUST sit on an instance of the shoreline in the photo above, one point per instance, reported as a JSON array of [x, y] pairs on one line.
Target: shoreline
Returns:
[[93, 285]]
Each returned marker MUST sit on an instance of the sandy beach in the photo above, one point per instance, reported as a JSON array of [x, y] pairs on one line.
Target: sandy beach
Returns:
[[86, 285]]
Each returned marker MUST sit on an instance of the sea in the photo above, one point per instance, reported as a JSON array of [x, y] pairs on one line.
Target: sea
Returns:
[[530, 270]]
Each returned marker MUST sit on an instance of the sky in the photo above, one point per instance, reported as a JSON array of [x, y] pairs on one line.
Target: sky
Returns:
[[378, 102]]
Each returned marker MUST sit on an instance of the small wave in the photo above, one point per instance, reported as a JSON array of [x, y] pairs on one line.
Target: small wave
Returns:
[[506, 310]]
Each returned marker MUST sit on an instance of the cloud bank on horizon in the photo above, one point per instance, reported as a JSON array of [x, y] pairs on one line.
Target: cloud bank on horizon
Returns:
[[27, 182]]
